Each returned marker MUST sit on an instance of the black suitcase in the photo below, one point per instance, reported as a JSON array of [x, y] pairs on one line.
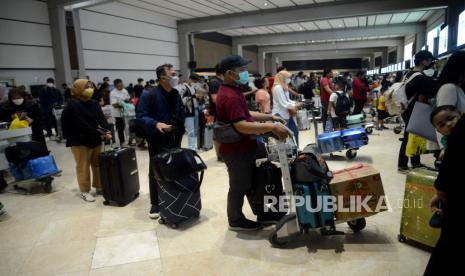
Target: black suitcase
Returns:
[[267, 182], [119, 176], [179, 200]]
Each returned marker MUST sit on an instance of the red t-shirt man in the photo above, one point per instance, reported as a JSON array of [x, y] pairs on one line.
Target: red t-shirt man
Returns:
[[324, 94], [231, 107], [359, 89]]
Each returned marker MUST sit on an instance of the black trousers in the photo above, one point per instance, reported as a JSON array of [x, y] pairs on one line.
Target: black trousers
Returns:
[[50, 122], [240, 171], [403, 159], [120, 125], [155, 146], [359, 104]]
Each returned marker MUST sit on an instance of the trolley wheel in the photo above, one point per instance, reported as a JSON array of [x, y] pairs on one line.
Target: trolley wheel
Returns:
[[173, 225], [47, 185], [357, 225], [372, 112], [397, 130], [161, 221], [351, 154], [369, 130], [401, 238]]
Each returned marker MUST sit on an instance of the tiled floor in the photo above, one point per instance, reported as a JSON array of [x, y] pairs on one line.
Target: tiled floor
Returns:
[[60, 234]]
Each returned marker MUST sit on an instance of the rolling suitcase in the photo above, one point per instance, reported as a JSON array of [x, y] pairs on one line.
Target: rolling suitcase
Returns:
[[303, 121], [355, 119], [354, 138], [330, 142], [267, 182], [119, 176], [179, 200], [414, 225]]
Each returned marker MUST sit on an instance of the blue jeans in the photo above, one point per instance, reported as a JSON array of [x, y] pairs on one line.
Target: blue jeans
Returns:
[[293, 126], [290, 123], [192, 126]]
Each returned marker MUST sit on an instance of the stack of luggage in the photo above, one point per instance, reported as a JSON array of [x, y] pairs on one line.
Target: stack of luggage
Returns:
[[352, 138]]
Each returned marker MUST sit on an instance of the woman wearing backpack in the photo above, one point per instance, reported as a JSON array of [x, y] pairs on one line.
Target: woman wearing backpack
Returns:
[[282, 105]]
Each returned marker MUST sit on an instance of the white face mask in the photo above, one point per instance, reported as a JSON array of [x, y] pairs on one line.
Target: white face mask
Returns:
[[174, 81], [18, 101], [49, 84], [288, 81], [429, 72]]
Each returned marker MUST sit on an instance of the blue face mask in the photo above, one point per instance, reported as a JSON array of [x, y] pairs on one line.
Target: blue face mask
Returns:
[[243, 77]]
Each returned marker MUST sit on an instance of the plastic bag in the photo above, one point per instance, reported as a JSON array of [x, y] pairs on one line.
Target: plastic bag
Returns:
[[416, 145], [17, 123], [329, 125]]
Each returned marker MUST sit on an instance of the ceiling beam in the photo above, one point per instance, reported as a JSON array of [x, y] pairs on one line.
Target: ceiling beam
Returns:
[[303, 13], [332, 54], [336, 45], [273, 39], [76, 4]]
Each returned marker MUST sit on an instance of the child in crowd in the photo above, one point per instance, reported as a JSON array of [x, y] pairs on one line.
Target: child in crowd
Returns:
[[339, 112], [381, 108], [444, 119]]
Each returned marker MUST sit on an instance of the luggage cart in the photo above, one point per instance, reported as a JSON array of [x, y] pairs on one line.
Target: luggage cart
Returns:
[[289, 226], [9, 137], [351, 152]]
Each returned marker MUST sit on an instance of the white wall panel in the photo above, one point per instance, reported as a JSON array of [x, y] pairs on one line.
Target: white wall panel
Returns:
[[27, 10], [25, 57], [106, 23], [123, 10], [110, 60], [24, 33], [28, 77], [126, 76], [103, 41]]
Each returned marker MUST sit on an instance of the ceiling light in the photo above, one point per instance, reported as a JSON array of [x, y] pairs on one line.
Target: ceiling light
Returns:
[[300, 28], [265, 4], [340, 25]]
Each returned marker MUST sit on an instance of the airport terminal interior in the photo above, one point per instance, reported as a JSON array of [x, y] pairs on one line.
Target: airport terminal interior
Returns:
[[132, 132]]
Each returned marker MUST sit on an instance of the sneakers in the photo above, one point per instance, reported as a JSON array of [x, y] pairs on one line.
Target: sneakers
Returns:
[[154, 214], [403, 169], [244, 225], [88, 197]]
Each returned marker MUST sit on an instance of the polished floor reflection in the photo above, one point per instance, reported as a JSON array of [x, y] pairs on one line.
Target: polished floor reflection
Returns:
[[60, 234]]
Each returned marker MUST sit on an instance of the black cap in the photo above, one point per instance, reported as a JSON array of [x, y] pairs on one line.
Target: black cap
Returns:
[[194, 76], [424, 55], [233, 61]]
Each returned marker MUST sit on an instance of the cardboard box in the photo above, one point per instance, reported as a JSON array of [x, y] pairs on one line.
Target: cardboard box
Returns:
[[354, 185]]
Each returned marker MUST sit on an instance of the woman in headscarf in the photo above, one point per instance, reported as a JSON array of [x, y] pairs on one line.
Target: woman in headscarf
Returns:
[[85, 128], [19, 105], [282, 105]]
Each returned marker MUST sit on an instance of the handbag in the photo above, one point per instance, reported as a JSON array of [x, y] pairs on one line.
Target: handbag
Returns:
[[176, 163], [420, 123], [226, 133]]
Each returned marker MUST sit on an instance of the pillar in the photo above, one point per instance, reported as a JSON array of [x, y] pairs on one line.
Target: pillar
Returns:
[[79, 48], [183, 40], [261, 62], [60, 44]]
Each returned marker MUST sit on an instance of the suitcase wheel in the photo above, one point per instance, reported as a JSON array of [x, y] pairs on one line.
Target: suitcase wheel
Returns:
[[401, 238], [351, 154], [106, 203], [397, 130], [275, 242], [136, 195], [369, 130], [161, 221], [357, 225]]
